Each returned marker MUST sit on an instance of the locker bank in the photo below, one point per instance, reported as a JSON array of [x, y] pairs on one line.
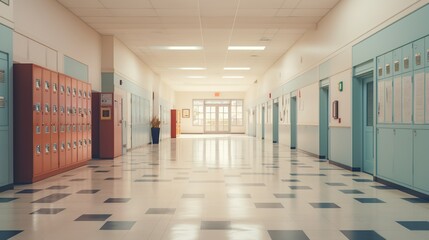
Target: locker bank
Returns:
[[278, 119]]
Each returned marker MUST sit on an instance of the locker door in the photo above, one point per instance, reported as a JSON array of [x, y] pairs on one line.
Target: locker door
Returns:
[[37, 122], [418, 54], [54, 121], [74, 101], [46, 100], [84, 103], [89, 104], [380, 67], [80, 143], [69, 144], [62, 143], [89, 136], [69, 109], [85, 143], [388, 59], [407, 58], [79, 102], [75, 143], [427, 51], [397, 59]]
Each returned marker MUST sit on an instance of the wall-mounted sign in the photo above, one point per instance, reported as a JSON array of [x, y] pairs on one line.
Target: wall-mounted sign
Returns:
[[217, 94], [340, 86], [5, 2], [106, 99]]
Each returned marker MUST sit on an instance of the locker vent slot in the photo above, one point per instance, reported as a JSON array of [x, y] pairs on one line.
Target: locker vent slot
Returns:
[[37, 107], [63, 146], [68, 145], [54, 147], [2, 102], [47, 108], [47, 148], [418, 59], [54, 87], [54, 129], [38, 130], [406, 63], [74, 145], [62, 89], [38, 83], [47, 129], [396, 66], [63, 129], [55, 109], [68, 90], [38, 150], [46, 85], [387, 69], [2, 76]]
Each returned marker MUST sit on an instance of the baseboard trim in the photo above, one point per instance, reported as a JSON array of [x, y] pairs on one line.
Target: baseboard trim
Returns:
[[402, 188], [322, 157], [344, 166], [6, 187], [292, 147], [308, 153]]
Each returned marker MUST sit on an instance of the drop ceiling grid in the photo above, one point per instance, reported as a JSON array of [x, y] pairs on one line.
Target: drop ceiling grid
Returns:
[[145, 24]]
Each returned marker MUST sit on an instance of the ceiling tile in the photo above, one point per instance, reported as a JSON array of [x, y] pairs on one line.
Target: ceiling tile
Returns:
[[126, 4], [257, 12], [91, 12], [310, 12], [134, 12], [81, 3], [175, 4], [258, 4], [317, 4]]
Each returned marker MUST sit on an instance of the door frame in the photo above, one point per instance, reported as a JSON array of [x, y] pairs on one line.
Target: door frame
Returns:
[[365, 81], [217, 118], [276, 121], [358, 123], [263, 122], [324, 119]]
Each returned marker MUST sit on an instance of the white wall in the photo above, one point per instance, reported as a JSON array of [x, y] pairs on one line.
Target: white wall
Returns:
[[184, 101], [45, 31], [308, 105], [6, 14]]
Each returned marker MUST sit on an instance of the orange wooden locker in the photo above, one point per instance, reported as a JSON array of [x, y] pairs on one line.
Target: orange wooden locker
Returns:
[[62, 121], [37, 122], [69, 113], [89, 121], [69, 91], [54, 121], [75, 140], [80, 143], [85, 143], [46, 99], [69, 144], [79, 102]]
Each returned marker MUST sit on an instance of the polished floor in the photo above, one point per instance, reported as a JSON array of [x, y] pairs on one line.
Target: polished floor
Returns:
[[211, 187]]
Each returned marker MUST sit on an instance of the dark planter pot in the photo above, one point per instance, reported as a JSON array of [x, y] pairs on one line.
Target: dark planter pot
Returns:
[[155, 135]]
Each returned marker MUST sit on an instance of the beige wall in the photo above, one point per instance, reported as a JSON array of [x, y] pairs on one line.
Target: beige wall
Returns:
[[45, 31], [6, 14]]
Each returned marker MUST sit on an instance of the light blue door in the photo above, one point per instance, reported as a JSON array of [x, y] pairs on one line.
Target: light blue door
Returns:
[[368, 144], [263, 122], [276, 123]]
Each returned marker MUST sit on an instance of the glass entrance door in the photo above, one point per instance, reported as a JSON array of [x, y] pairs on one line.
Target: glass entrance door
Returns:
[[217, 119]]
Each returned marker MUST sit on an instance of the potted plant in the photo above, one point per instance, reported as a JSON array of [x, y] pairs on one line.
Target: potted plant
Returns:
[[155, 129]]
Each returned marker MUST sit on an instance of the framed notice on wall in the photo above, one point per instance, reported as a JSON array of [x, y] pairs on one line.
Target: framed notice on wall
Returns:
[[185, 113], [5, 2]]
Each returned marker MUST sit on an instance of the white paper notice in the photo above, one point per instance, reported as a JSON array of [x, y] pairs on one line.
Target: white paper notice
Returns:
[[419, 98], [407, 99], [380, 102], [388, 101], [397, 99]]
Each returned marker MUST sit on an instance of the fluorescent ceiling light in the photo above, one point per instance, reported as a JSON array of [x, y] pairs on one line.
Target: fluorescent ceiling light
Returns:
[[192, 68], [184, 48], [236, 68], [196, 77], [236, 77], [243, 48]]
